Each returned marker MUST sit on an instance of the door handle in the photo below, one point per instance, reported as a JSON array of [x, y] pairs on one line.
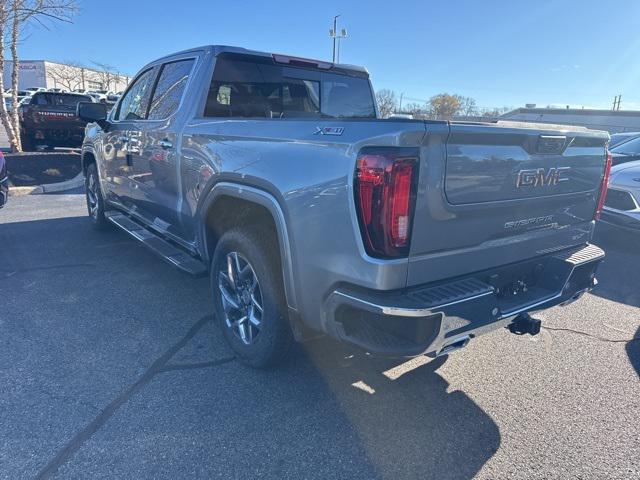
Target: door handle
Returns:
[[166, 144]]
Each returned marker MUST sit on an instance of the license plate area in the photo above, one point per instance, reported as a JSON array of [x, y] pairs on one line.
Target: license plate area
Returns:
[[525, 284]]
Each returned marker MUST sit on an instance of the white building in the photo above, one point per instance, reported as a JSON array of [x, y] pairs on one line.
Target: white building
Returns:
[[43, 73], [609, 120]]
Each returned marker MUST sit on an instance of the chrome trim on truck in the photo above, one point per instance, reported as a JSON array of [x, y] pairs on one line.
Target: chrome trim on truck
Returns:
[[407, 312], [455, 329]]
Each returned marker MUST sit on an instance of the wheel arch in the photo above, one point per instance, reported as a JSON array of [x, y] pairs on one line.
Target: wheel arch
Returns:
[[88, 157], [244, 197]]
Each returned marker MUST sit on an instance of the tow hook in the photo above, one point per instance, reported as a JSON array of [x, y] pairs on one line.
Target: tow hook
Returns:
[[524, 323]]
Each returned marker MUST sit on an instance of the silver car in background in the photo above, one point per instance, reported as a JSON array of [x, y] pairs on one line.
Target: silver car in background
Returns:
[[622, 205], [620, 138]]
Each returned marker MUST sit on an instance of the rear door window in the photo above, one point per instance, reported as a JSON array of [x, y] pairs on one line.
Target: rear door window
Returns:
[[170, 88], [242, 87]]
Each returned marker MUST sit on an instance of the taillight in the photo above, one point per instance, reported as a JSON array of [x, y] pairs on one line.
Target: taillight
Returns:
[[385, 194], [603, 187]]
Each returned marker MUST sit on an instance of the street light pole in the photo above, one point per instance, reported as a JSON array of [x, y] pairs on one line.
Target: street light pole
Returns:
[[334, 34]]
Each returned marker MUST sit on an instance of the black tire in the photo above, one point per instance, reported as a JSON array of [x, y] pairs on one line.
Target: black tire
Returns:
[[259, 249], [95, 202]]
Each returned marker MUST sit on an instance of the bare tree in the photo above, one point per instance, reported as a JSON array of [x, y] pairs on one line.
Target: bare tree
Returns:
[[15, 71], [105, 74], [416, 109], [66, 75], [4, 114], [468, 106], [14, 15], [387, 103]]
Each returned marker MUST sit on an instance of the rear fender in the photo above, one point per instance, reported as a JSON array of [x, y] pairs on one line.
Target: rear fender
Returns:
[[266, 200]]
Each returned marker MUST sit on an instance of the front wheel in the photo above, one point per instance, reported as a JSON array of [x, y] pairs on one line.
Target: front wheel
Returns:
[[95, 202], [249, 298]]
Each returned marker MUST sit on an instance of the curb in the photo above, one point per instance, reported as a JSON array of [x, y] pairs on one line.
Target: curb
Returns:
[[75, 182]]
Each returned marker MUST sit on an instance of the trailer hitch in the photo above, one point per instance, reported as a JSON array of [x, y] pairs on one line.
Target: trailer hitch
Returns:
[[524, 323]]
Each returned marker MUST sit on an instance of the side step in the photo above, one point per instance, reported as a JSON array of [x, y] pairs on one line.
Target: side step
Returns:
[[167, 251]]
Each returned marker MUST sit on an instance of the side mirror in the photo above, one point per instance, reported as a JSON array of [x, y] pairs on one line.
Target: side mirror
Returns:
[[93, 112]]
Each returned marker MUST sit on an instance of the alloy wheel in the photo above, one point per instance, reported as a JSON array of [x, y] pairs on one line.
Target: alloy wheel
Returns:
[[92, 196], [241, 298]]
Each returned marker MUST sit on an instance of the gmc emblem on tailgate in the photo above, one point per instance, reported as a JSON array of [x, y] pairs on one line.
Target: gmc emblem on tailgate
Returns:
[[540, 177]]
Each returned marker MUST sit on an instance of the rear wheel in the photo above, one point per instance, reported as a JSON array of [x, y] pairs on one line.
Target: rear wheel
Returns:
[[95, 202], [249, 297]]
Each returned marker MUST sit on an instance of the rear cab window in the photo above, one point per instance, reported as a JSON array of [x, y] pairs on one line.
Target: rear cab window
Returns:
[[58, 99], [258, 87]]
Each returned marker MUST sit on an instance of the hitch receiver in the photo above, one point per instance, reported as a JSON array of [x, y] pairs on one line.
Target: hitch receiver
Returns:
[[524, 323]]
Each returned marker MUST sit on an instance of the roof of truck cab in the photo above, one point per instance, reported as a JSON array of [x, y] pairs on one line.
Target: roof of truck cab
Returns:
[[218, 49]]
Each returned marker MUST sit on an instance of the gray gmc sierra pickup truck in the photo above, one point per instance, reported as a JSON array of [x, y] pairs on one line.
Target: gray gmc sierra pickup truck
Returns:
[[273, 175]]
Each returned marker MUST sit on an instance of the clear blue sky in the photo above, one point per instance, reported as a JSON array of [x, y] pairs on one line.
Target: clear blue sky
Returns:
[[501, 52]]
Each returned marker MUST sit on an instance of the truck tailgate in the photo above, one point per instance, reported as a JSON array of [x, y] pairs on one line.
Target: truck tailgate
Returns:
[[491, 194]]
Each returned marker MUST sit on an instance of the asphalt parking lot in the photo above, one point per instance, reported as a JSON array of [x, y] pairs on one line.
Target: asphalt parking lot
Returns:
[[111, 367]]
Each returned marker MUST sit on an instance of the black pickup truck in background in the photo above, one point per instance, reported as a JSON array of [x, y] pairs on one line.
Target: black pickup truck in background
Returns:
[[50, 120]]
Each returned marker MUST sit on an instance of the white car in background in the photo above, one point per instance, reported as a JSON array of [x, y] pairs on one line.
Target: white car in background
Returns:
[[93, 94], [622, 204], [23, 98], [32, 90], [96, 97], [101, 96]]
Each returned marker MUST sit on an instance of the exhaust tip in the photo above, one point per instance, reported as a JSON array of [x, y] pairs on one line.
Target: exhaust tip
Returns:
[[457, 344]]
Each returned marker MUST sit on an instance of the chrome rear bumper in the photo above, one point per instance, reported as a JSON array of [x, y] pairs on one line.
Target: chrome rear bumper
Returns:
[[435, 319]]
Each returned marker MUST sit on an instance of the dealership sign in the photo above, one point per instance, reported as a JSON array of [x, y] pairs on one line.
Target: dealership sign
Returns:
[[32, 74]]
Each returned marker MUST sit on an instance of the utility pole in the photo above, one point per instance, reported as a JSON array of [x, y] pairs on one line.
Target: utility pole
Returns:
[[616, 102], [333, 33], [400, 107]]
